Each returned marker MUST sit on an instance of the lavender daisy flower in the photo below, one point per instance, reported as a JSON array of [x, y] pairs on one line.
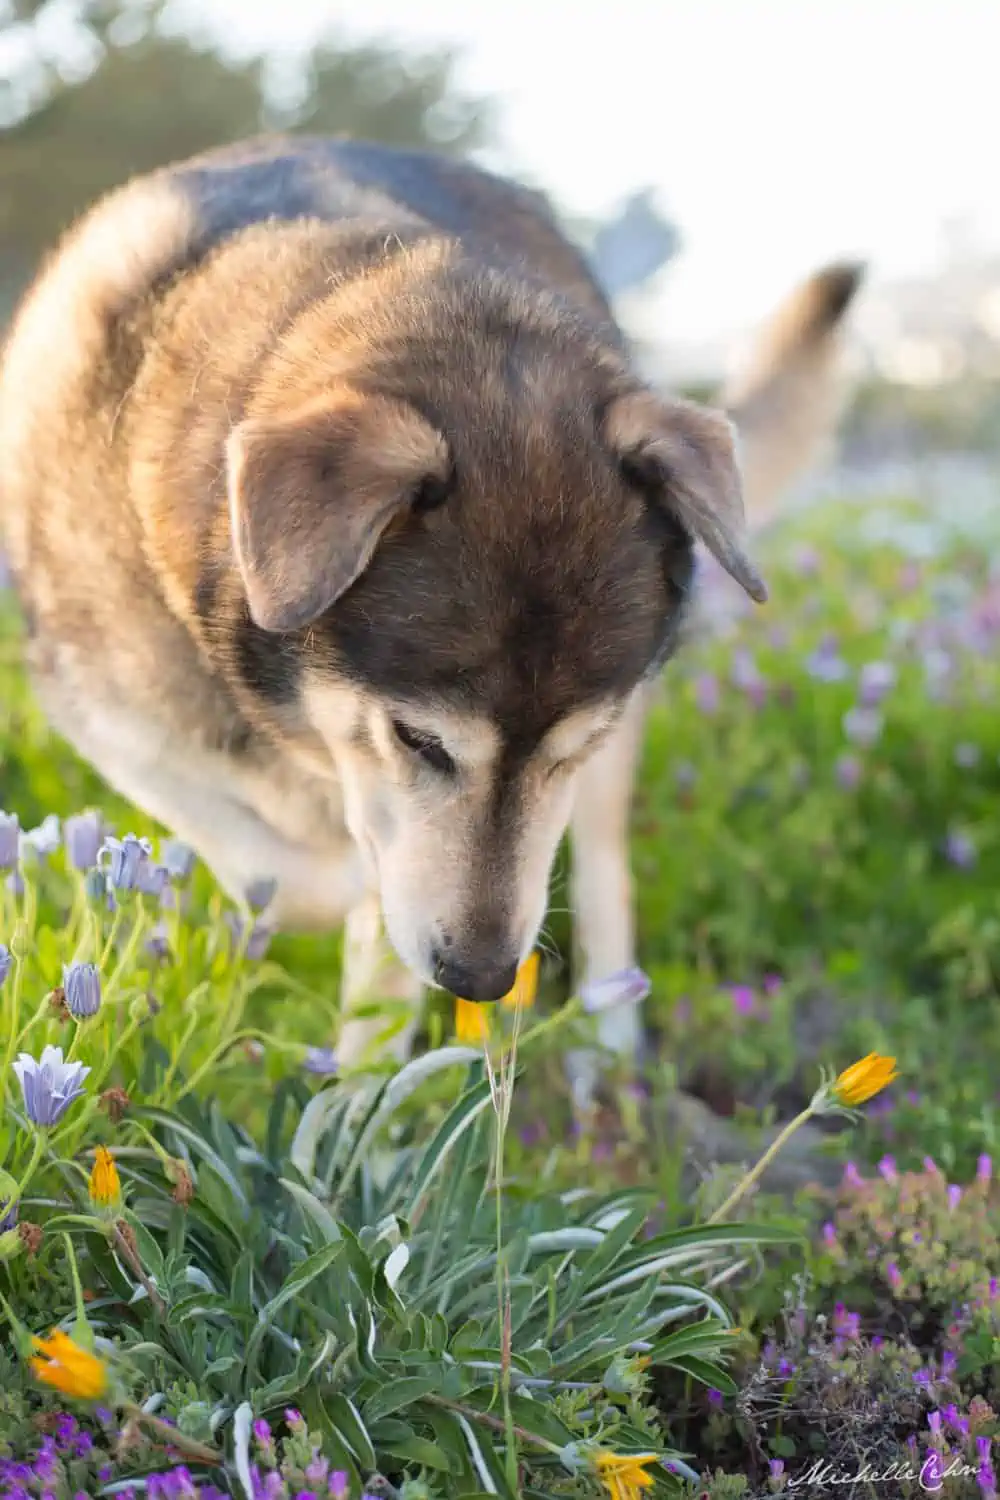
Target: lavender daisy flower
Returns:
[[83, 834], [321, 1060], [124, 858], [177, 859], [49, 1086], [10, 840], [876, 680], [6, 962], [706, 693], [260, 893], [959, 850], [847, 772], [151, 879], [82, 988], [627, 987], [862, 725]]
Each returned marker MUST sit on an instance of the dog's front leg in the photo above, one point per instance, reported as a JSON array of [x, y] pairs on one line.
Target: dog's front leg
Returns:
[[604, 936], [372, 972]]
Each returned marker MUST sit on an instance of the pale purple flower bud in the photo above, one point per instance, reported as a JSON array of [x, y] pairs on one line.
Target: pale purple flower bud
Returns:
[[934, 1423], [10, 840], [852, 1177], [339, 1485], [954, 1195], [627, 987], [949, 1364], [6, 962], [825, 664], [984, 1169], [177, 859], [776, 1468], [262, 1431], [715, 1398], [983, 1448], [15, 883], [706, 693], [49, 1086], [83, 834], [95, 885], [830, 1235], [862, 725], [321, 1060], [876, 680], [151, 879], [931, 1166], [260, 894], [124, 859], [43, 840], [8, 1216], [887, 1168], [158, 942], [259, 939], [848, 772], [894, 1276], [82, 988]]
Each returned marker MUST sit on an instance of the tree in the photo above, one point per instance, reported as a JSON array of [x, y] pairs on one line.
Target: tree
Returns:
[[125, 95]]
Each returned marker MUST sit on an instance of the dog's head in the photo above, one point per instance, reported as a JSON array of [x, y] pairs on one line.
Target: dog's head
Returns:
[[478, 527]]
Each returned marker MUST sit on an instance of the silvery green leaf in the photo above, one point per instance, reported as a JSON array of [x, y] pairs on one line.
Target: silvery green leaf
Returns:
[[242, 1427], [396, 1264]]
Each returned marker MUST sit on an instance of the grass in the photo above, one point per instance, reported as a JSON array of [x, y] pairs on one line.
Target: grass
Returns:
[[817, 858]]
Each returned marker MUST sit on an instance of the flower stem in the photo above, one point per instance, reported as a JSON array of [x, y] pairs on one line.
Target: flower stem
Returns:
[[36, 1156], [172, 1436], [751, 1177]]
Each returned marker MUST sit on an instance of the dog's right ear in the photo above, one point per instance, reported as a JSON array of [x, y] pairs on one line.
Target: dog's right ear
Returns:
[[311, 494]]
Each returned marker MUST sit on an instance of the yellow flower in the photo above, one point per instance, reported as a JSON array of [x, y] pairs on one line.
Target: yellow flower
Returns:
[[862, 1080], [624, 1475], [525, 986], [105, 1185], [472, 1021], [67, 1368]]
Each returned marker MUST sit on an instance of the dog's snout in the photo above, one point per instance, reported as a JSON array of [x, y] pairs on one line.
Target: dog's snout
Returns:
[[474, 981]]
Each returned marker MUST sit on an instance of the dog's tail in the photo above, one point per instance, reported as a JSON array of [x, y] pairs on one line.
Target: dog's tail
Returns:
[[785, 401]]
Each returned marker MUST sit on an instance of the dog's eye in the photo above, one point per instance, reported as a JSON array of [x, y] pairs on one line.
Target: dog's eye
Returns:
[[426, 746]]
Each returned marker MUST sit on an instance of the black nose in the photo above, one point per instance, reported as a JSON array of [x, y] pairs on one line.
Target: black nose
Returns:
[[474, 981]]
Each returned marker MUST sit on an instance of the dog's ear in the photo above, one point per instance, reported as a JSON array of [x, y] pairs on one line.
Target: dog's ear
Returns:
[[685, 455], [310, 495]]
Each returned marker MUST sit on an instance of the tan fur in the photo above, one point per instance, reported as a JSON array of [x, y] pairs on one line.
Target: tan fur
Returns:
[[785, 397]]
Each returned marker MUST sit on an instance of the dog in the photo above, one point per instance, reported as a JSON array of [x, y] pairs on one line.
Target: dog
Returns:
[[349, 542]]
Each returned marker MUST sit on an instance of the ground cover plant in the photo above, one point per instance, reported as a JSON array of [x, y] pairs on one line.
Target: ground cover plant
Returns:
[[277, 1281]]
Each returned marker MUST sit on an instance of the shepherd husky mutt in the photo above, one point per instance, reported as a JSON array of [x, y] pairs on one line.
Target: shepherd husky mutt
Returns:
[[348, 541]]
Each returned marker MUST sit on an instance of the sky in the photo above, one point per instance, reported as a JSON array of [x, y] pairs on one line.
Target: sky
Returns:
[[778, 133]]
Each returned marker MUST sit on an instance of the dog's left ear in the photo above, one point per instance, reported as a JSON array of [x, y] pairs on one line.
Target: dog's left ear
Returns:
[[685, 455]]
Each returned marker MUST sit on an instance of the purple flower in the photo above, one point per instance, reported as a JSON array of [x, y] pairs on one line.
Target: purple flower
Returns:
[[151, 879], [830, 1235], [877, 679], [715, 1398], [15, 883], [706, 692], [773, 984], [894, 1276], [317, 1468], [887, 1168], [158, 942], [826, 664], [984, 1169], [82, 988], [321, 1060], [10, 840], [50, 1085], [260, 893], [339, 1485], [852, 1177], [959, 849], [983, 1448], [124, 858], [934, 1423], [949, 1364], [177, 859], [847, 771], [262, 1431], [847, 1325], [627, 987], [82, 834], [776, 1468], [257, 942], [862, 725], [931, 1166], [954, 1195], [6, 962], [743, 998]]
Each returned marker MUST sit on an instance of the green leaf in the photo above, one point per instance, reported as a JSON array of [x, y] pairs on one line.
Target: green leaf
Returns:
[[295, 1283], [348, 1422], [707, 1372], [457, 1121], [399, 1394]]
